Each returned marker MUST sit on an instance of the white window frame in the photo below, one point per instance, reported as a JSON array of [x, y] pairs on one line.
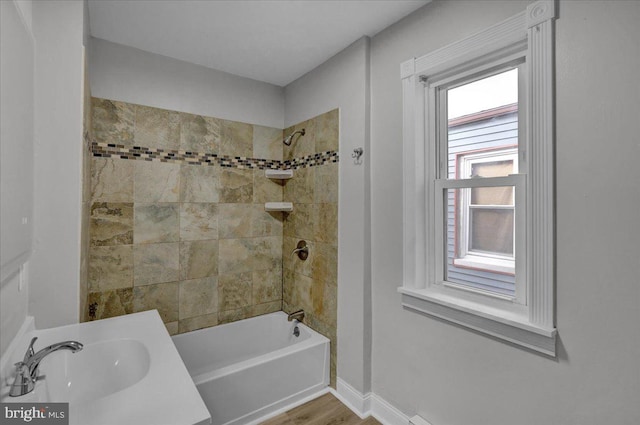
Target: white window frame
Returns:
[[475, 259], [528, 321]]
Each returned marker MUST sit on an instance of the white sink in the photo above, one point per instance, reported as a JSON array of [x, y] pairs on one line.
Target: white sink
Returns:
[[97, 371], [129, 372]]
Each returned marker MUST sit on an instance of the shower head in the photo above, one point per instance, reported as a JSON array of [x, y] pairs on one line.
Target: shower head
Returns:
[[287, 141]]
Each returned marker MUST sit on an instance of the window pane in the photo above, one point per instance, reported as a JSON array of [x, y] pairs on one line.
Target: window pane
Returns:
[[491, 231], [480, 240], [492, 168], [482, 120], [492, 196]]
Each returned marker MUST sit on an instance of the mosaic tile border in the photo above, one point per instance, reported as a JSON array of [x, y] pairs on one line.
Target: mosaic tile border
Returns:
[[138, 153]]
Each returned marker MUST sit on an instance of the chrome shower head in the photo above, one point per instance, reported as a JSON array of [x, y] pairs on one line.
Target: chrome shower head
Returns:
[[287, 141]]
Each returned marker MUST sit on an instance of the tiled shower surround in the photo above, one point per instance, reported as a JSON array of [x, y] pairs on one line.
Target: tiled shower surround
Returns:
[[177, 220]]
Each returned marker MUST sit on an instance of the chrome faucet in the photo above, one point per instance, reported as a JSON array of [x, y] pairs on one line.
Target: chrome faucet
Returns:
[[296, 315], [27, 369]]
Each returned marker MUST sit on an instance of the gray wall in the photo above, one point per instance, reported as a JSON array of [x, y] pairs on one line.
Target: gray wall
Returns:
[[343, 82], [452, 376], [55, 265], [16, 179], [130, 75]]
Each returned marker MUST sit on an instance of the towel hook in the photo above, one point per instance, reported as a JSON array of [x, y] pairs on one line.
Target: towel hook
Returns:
[[357, 153]]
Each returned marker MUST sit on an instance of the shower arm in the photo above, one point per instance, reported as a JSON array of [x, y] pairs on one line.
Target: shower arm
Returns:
[[287, 141]]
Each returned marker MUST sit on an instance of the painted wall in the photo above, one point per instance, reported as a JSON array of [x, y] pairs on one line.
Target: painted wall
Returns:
[[55, 265], [452, 376], [16, 179], [342, 82], [130, 75]]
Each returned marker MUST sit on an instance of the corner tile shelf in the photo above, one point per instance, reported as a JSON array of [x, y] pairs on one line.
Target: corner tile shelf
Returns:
[[279, 174], [278, 206]]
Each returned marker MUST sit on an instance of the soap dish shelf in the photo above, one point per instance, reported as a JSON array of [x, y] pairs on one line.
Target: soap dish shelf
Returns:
[[278, 206], [279, 174]]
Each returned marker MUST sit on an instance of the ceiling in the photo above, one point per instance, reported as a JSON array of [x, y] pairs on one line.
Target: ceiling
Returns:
[[271, 41]]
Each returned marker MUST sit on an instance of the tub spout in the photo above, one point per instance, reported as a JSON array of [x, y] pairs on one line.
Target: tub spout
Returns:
[[296, 315]]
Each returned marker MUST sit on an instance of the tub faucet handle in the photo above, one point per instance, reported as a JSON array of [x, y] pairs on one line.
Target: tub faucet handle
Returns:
[[302, 250]]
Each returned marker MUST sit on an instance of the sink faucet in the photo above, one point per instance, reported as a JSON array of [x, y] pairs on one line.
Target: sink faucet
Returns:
[[27, 369], [296, 315]]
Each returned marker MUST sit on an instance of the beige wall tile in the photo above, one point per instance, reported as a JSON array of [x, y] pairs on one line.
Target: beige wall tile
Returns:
[[267, 252], [198, 221], [234, 315], [172, 327], [113, 122], [111, 223], [265, 223], [234, 291], [299, 223], [301, 297], [112, 303], [235, 256], [198, 322], [326, 183], [235, 185], [160, 296], [111, 180], [324, 264], [267, 286], [327, 131], [235, 220], [110, 267], [288, 245], [156, 128], [156, 223], [198, 297], [198, 259], [267, 143], [325, 223], [300, 189], [237, 139], [199, 134], [265, 189], [199, 183], [156, 181], [266, 308], [156, 263]]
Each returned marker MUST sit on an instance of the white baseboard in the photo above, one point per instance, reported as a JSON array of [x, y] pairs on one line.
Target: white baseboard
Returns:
[[385, 413], [369, 404], [359, 403]]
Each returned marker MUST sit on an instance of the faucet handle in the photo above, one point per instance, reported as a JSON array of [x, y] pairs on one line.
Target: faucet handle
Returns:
[[30, 352]]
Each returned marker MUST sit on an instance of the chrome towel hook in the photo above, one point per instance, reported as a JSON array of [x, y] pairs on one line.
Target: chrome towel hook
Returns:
[[357, 153]]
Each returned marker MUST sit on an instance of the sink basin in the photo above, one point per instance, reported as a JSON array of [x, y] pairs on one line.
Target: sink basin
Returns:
[[100, 369], [128, 372]]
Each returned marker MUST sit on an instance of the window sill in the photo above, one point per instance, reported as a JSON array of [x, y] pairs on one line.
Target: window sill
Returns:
[[511, 327]]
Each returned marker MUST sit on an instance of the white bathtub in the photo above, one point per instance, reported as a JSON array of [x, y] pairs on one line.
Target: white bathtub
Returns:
[[250, 369]]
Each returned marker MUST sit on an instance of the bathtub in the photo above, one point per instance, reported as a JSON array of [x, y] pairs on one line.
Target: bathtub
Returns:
[[253, 368]]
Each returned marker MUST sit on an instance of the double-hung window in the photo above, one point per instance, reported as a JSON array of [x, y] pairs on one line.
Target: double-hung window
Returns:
[[478, 181]]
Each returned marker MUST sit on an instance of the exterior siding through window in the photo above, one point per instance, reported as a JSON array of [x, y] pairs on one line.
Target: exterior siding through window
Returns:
[[472, 135]]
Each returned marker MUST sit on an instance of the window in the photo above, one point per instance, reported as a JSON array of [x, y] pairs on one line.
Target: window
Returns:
[[478, 181]]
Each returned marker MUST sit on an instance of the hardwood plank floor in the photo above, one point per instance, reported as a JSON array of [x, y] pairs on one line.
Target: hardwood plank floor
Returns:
[[324, 410]]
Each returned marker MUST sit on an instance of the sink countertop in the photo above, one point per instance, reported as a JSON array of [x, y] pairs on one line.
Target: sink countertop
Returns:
[[166, 394]]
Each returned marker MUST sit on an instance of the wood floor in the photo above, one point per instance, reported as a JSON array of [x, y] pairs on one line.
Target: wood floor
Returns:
[[324, 410]]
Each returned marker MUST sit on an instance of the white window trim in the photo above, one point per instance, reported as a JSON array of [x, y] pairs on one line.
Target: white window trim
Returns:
[[531, 324]]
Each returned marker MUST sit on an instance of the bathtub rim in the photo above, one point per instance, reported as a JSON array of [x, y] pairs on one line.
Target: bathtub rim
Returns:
[[316, 338]]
